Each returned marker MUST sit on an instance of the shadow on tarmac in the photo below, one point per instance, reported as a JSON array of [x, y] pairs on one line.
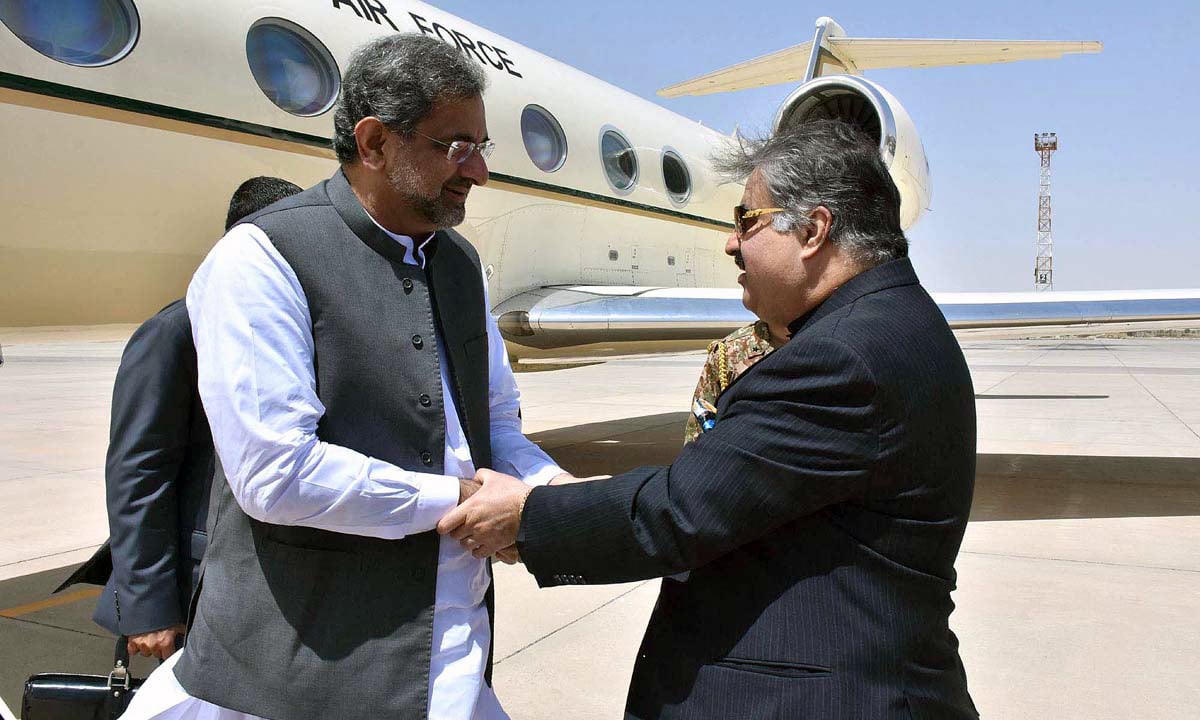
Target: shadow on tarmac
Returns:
[[1007, 487], [1047, 487]]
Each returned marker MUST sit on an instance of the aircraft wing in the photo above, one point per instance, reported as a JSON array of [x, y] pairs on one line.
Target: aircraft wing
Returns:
[[853, 55], [555, 317]]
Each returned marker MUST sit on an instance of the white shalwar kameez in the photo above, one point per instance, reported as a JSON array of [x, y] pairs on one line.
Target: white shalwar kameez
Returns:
[[254, 346]]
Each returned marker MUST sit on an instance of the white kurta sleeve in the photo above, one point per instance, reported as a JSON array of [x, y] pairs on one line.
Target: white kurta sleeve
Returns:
[[512, 452], [254, 351]]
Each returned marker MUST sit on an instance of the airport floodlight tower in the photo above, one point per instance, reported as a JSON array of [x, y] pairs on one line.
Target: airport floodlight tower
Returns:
[[1044, 144]]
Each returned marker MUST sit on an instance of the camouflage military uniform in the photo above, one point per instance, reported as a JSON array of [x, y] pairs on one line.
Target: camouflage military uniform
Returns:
[[727, 359]]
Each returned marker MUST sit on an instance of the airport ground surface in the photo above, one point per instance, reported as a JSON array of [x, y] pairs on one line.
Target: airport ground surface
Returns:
[[1079, 578]]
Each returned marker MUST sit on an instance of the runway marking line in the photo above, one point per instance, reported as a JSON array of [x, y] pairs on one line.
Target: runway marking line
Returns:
[[65, 599]]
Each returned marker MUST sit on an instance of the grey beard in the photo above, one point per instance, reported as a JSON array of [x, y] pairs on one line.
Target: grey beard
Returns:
[[438, 214]]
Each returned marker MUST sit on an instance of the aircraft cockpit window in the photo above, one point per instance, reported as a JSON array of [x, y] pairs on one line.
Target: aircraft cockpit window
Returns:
[[676, 177], [293, 69], [543, 137], [86, 33], [619, 159]]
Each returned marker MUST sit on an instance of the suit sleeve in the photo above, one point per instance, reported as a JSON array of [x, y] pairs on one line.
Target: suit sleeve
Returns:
[[151, 412], [800, 434]]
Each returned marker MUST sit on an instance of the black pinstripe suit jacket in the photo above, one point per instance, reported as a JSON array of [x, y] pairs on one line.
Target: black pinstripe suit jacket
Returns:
[[819, 520]]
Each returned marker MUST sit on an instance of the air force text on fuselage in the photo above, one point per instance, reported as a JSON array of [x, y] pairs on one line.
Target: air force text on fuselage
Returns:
[[487, 54]]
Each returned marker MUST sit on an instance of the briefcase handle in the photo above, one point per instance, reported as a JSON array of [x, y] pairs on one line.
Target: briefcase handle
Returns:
[[120, 677]]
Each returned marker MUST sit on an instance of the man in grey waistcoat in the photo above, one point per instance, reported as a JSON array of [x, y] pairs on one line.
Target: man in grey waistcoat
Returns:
[[353, 377]]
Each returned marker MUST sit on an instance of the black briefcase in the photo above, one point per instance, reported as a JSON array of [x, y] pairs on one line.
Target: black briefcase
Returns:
[[64, 696]]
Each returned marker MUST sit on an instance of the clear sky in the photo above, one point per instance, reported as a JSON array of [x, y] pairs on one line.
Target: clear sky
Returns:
[[1126, 188]]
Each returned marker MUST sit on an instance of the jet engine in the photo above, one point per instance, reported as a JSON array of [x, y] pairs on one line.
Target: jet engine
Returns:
[[861, 102]]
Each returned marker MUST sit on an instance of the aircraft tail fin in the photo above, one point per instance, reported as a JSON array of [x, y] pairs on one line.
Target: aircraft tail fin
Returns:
[[872, 53], [783, 66]]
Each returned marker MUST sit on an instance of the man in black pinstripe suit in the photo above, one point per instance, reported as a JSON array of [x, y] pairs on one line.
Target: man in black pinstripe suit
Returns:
[[808, 539]]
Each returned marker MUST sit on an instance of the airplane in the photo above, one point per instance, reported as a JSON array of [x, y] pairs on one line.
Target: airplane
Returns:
[[601, 229]]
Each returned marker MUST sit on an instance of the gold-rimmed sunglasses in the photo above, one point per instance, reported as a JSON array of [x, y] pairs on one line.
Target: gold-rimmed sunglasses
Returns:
[[744, 220]]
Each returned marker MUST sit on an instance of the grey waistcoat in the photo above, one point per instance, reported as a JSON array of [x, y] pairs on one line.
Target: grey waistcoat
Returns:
[[294, 622]]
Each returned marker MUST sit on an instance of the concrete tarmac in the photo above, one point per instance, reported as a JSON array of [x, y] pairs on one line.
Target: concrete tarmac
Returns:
[[1079, 577]]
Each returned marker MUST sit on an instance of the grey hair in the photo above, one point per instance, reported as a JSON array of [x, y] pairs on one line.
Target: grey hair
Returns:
[[398, 78], [832, 164]]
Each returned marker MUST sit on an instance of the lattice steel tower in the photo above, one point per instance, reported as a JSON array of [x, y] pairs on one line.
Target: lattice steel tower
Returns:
[[1043, 269]]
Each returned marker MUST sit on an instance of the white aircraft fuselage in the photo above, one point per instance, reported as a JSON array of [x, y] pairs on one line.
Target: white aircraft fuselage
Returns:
[[128, 124], [119, 175]]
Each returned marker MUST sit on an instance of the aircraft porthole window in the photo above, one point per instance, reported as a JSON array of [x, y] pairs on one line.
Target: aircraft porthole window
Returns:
[[85, 33], [619, 160], [676, 177], [544, 138], [293, 69]]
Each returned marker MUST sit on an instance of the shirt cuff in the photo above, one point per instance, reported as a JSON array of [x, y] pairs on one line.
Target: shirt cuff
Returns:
[[542, 475], [438, 496]]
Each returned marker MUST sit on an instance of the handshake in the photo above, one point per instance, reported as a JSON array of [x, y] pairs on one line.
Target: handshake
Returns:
[[488, 516]]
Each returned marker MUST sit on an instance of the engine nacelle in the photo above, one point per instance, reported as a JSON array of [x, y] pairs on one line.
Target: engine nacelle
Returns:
[[863, 103]]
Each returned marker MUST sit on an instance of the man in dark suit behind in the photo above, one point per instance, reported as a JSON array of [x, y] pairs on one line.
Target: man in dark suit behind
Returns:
[[158, 470], [810, 535]]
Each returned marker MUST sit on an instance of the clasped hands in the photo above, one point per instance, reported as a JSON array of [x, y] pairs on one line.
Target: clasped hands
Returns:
[[157, 643], [488, 515]]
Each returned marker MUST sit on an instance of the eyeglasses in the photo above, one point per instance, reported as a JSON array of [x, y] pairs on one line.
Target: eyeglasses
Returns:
[[459, 150], [744, 220]]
